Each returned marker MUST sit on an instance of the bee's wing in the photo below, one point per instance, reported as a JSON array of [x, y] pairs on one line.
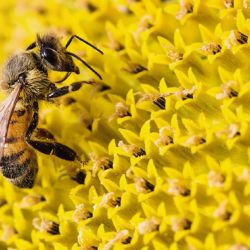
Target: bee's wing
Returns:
[[6, 110]]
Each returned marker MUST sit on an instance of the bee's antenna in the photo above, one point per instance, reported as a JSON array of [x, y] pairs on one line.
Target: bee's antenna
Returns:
[[31, 46], [87, 65], [86, 42]]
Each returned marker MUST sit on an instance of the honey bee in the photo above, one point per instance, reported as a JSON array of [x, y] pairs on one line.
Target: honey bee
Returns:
[[25, 78]]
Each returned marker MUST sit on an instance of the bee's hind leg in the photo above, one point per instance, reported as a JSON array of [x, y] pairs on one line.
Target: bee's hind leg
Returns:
[[50, 147]]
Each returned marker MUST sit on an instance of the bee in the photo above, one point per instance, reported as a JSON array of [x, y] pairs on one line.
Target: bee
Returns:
[[25, 78]]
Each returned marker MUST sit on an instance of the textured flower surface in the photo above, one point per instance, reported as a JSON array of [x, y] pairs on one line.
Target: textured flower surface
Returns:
[[165, 136]]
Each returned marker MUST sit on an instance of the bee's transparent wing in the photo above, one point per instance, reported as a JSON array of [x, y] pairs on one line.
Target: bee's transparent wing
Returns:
[[6, 110]]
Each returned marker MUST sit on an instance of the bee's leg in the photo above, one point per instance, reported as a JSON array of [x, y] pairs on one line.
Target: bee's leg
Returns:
[[64, 78], [86, 42], [67, 89], [34, 122], [31, 46], [52, 87], [43, 134], [52, 147]]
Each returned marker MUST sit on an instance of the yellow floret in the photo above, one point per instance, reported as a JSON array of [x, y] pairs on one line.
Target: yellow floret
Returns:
[[164, 138]]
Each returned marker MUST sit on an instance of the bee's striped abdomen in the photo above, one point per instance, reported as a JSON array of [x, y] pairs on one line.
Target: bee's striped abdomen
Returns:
[[18, 163]]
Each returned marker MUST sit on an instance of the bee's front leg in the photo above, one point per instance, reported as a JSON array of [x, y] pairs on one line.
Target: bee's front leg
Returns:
[[67, 89]]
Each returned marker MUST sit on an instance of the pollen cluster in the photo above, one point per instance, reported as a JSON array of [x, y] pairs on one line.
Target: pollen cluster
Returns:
[[164, 138]]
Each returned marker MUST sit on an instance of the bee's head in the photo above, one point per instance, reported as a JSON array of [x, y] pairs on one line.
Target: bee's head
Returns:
[[53, 55]]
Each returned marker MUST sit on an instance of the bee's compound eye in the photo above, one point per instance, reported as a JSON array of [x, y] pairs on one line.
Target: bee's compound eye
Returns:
[[49, 55]]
